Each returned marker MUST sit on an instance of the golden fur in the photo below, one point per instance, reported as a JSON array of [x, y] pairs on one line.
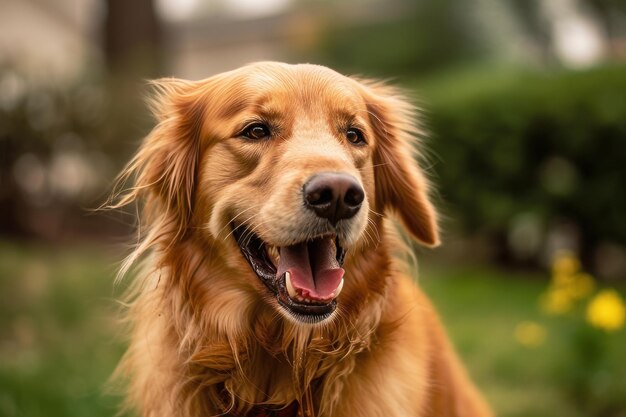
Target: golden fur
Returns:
[[207, 337]]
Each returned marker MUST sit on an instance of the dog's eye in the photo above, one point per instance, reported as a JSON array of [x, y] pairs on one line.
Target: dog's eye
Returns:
[[355, 136], [256, 131]]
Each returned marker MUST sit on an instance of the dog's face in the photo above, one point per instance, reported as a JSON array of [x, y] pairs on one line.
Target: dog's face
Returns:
[[290, 174], [290, 169]]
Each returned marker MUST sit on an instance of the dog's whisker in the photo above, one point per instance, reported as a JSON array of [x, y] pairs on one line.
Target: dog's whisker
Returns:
[[370, 238], [374, 228], [231, 221], [242, 225], [376, 213], [376, 165]]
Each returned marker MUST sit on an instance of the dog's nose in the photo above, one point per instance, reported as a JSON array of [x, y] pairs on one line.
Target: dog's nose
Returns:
[[333, 196]]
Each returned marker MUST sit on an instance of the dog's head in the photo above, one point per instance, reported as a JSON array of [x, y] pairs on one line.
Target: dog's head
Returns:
[[285, 170]]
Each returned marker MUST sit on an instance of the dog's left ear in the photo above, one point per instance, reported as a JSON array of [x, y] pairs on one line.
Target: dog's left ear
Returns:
[[400, 185]]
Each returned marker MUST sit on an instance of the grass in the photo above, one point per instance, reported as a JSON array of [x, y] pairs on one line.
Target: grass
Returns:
[[481, 308], [57, 344], [58, 336]]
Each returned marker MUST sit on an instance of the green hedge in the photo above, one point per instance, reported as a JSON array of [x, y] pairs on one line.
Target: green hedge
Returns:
[[550, 144]]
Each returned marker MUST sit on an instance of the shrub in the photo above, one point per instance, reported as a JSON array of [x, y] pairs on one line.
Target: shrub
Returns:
[[54, 159], [549, 145]]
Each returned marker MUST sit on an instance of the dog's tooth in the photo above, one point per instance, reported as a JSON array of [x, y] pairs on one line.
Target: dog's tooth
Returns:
[[290, 288], [339, 288]]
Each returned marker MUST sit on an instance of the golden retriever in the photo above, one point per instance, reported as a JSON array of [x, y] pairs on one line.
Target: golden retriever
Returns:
[[272, 284]]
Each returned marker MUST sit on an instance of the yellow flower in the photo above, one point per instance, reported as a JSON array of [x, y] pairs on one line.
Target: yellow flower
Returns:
[[565, 263], [563, 280], [530, 334], [582, 285], [606, 311], [569, 284], [556, 301]]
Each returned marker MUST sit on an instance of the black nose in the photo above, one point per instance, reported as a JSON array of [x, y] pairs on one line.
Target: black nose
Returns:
[[333, 196]]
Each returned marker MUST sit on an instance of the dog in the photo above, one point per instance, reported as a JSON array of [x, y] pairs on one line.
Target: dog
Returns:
[[274, 282]]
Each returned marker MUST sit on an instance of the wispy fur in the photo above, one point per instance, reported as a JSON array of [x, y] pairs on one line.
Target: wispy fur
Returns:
[[207, 338]]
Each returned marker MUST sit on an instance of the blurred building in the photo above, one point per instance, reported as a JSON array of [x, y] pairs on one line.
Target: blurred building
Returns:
[[204, 42], [49, 39], [63, 38]]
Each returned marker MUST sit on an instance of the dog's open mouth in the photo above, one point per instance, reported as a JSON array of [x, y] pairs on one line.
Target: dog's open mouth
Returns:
[[306, 277]]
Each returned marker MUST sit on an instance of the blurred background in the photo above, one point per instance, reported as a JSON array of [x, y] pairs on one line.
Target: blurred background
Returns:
[[524, 102]]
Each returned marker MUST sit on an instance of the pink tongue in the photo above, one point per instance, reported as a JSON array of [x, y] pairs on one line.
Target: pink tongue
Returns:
[[315, 272]]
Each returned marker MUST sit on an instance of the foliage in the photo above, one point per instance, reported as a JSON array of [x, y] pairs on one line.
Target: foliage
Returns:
[[50, 153], [487, 310], [404, 45], [58, 331], [587, 374], [60, 147], [549, 146]]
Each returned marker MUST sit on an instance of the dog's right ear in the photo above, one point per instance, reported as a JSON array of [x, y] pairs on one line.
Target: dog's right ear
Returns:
[[164, 168]]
